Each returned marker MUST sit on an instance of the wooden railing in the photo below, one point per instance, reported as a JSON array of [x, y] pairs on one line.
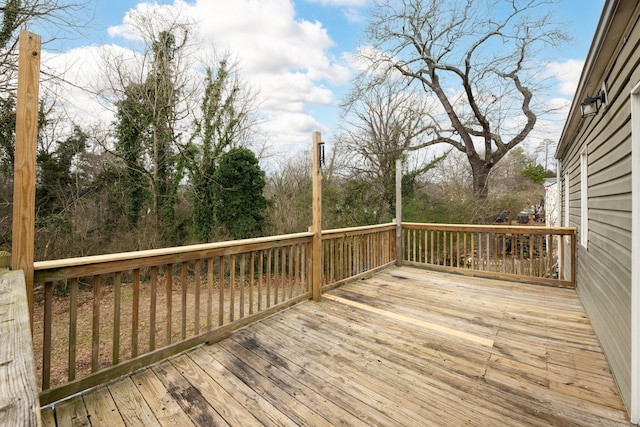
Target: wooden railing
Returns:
[[116, 313], [96, 318], [525, 253], [349, 253], [18, 393]]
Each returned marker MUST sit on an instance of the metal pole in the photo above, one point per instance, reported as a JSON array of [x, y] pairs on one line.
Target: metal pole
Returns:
[[316, 263], [399, 251]]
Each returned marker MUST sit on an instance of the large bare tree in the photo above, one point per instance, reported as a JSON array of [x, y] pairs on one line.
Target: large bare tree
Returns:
[[476, 58], [383, 120]]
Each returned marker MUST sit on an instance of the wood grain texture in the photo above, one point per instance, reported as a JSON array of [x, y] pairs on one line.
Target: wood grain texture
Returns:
[[505, 354], [18, 393], [24, 175]]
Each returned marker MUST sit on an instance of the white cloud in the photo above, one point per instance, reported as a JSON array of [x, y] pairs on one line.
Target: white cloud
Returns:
[[287, 59], [567, 73]]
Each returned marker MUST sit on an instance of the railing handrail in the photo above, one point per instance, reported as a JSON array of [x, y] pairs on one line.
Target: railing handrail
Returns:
[[66, 268], [352, 231], [532, 229], [176, 250]]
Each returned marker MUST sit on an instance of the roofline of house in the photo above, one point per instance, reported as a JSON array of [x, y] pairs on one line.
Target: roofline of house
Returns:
[[597, 60]]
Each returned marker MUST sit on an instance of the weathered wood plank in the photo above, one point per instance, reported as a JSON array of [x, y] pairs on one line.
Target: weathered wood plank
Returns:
[[160, 401], [72, 413], [264, 411], [188, 396], [230, 409], [267, 387], [101, 409], [131, 405], [18, 392]]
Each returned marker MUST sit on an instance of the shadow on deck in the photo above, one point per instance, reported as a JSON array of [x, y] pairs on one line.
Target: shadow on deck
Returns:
[[406, 347]]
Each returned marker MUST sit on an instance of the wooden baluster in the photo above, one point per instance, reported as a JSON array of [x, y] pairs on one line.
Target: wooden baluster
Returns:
[[243, 266], [269, 277], [260, 278], [73, 327], [488, 246], [232, 291], [95, 337], [276, 275], [198, 285], [115, 359], [252, 278], [504, 252], [183, 300], [283, 266], [221, 292], [209, 293], [464, 249], [549, 254], [135, 311], [47, 331], [169, 304], [291, 274], [513, 253], [521, 269], [153, 312]]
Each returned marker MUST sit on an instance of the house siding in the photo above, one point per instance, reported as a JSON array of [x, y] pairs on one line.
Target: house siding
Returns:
[[603, 273]]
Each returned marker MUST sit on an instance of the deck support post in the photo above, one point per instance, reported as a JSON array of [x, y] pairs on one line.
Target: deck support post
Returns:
[[399, 252], [24, 181], [316, 256]]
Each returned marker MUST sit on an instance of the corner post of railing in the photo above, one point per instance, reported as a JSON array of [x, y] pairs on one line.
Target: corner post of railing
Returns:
[[316, 256], [399, 251], [24, 182]]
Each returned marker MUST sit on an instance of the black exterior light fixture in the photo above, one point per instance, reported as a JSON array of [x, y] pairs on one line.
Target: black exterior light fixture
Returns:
[[591, 105], [321, 161]]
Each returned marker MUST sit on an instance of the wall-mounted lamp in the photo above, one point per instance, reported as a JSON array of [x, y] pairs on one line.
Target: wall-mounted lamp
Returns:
[[590, 106], [321, 161]]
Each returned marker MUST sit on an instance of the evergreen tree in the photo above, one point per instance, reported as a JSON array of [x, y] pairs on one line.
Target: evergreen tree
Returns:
[[239, 200]]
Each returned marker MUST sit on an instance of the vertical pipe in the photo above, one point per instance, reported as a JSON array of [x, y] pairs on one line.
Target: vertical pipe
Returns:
[[316, 274], [399, 252]]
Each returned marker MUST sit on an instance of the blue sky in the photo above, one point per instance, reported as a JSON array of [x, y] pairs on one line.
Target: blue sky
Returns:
[[295, 52]]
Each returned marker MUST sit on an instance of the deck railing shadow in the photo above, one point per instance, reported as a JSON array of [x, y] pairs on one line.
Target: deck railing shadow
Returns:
[[97, 318]]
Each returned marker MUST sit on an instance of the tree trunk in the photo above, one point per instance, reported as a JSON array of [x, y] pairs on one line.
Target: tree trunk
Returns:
[[480, 171]]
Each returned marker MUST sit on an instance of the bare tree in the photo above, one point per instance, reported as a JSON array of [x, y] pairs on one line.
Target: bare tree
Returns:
[[475, 58], [383, 119], [54, 16]]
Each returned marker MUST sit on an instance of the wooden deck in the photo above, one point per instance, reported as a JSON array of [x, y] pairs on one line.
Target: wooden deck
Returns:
[[406, 347]]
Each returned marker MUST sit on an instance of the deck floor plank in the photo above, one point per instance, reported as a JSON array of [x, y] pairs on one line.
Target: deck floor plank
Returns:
[[189, 397], [131, 404], [252, 401], [72, 413], [164, 406], [404, 347], [101, 408]]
